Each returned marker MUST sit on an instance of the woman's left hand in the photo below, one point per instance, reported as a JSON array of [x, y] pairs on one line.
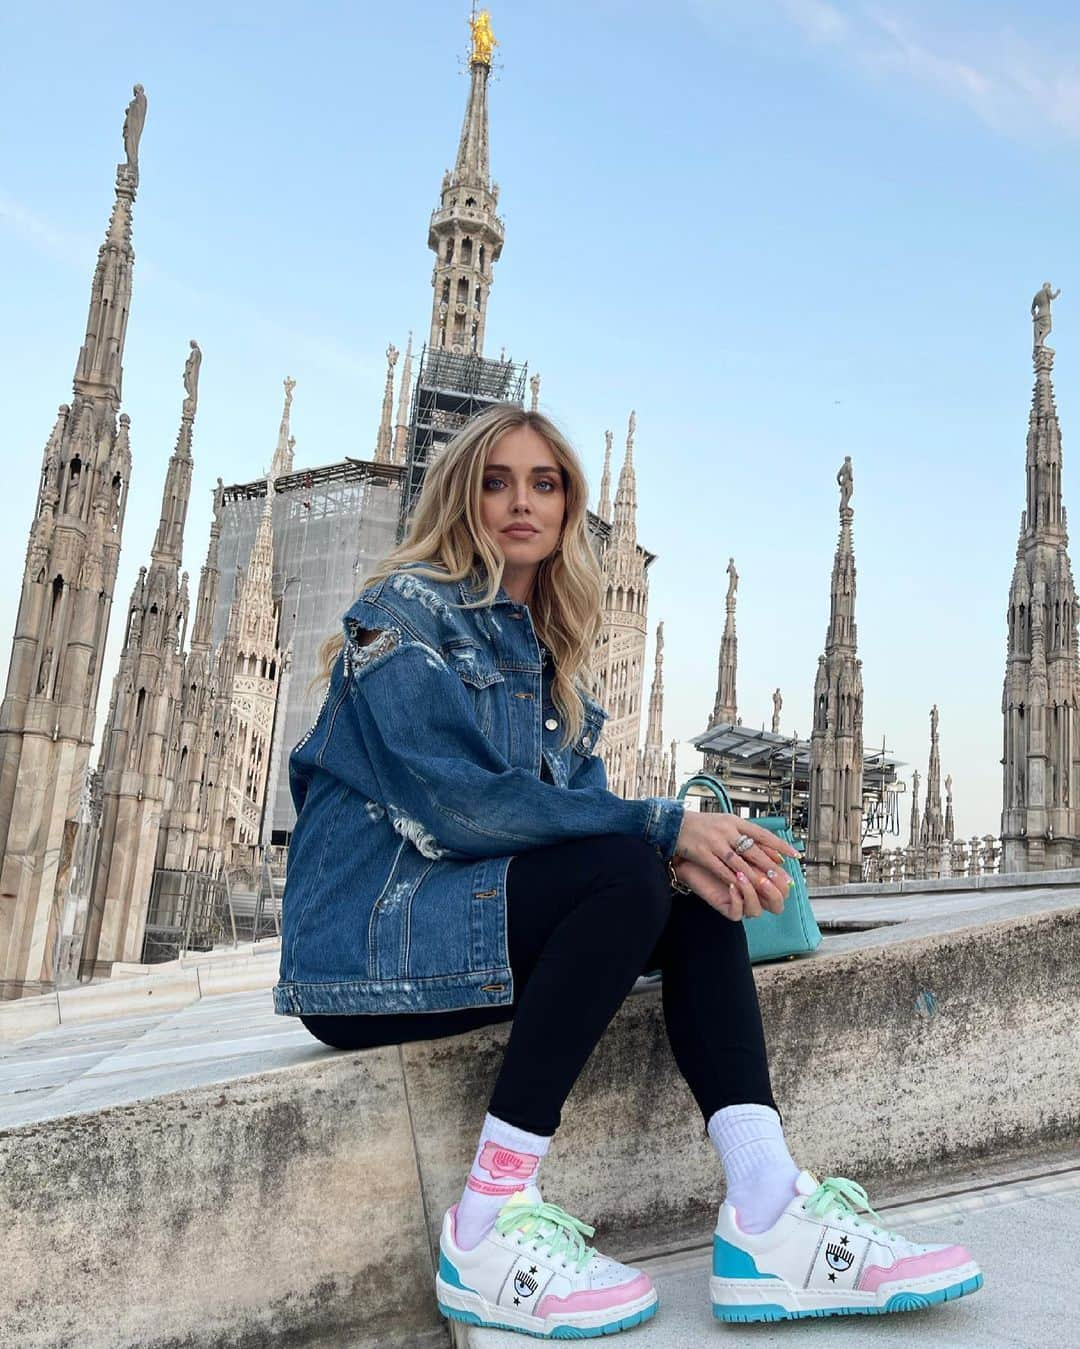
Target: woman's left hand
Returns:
[[722, 894]]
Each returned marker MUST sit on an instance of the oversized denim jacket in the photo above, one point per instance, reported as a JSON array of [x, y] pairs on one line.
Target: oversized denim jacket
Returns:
[[419, 781]]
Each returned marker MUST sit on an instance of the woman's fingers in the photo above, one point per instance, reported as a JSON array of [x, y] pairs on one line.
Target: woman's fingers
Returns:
[[766, 838]]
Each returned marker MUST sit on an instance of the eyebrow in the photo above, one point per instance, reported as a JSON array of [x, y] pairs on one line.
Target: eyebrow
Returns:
[[540, 468]]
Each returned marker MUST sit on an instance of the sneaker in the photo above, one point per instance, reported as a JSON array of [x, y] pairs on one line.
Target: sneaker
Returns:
[[533, 1273], [821, 1259]]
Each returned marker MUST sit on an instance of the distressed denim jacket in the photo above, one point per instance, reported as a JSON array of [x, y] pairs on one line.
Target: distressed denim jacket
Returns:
[[421, 778]]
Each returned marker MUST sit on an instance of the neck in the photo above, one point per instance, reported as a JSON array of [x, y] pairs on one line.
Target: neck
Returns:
[[518, 582]]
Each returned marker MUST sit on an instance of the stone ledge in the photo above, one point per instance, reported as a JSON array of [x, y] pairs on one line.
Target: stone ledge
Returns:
[[293, 1207], [143, 988]]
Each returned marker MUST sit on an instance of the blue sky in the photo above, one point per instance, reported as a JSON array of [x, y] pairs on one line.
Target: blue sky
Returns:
[[782, 233]]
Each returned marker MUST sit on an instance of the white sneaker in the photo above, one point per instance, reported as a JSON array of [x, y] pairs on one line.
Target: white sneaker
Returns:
[[533, 1273], [820, 1259]]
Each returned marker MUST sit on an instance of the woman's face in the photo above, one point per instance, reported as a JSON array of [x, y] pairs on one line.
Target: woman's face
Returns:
[[522, 504]]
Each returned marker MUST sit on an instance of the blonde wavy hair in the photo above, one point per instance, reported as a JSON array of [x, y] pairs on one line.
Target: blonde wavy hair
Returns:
[[446, 536]]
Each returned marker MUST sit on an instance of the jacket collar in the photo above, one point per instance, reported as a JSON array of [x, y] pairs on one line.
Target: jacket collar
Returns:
[[473, 588]]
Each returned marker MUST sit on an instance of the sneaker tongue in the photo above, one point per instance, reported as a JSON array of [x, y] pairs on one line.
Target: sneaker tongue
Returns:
[[529, 1195], [806, 1182]]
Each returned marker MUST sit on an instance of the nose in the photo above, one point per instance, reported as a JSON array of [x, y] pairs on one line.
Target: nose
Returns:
[[521, 497]]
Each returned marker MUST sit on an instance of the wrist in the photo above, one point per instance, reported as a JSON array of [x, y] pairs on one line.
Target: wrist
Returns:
[[676, 884]]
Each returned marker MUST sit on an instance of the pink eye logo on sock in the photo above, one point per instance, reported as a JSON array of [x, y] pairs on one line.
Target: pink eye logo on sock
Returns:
[[500, 1162]]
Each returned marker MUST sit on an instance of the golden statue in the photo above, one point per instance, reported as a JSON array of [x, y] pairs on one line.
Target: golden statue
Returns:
[[483, 40]]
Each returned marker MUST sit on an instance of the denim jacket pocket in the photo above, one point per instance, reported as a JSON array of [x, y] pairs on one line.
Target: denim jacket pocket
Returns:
[[475, 668]]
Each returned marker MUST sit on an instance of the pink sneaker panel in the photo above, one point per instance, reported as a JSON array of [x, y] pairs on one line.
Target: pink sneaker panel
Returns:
[[596, 1299], [913, 1267]]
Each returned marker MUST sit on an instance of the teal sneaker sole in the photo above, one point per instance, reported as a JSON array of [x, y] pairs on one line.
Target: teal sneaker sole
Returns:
[[899, 1302], [560, 1332]]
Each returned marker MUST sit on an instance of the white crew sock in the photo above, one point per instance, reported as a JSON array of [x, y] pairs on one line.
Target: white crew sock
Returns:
[[758, 1168], [507, 1161]]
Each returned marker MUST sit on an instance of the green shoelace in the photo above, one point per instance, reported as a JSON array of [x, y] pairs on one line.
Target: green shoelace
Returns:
[[549, 1228], [837, 1194]]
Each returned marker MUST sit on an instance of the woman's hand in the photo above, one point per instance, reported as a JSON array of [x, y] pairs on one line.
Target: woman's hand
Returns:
[[739, 885]]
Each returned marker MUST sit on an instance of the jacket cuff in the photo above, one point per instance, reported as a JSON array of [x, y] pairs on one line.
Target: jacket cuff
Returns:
[[663, 825]]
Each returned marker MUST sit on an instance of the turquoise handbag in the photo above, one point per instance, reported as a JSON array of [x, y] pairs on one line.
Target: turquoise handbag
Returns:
[[773, 936]]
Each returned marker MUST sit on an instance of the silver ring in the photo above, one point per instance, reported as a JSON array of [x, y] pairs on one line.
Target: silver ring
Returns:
[[743, 843]]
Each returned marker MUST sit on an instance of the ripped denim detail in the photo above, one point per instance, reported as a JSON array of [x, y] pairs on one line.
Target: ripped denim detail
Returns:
[[427, 845], [413, 588], [358, 657]]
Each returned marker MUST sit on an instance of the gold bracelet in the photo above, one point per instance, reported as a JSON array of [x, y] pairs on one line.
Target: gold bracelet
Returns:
[[676, 884]]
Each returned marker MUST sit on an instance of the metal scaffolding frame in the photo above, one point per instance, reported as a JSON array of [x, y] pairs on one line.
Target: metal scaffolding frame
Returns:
[[331, 525], [450, 390]]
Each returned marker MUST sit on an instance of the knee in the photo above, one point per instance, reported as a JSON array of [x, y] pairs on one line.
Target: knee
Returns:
[[636, 877]]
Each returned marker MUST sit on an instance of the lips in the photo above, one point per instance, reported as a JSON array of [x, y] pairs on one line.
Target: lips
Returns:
[[521, 530]]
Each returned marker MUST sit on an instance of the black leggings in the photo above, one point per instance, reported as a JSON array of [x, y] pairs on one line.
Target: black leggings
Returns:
[[585, 919]]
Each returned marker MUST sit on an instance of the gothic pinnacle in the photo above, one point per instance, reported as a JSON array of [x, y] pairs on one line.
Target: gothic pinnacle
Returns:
[[283, 454]]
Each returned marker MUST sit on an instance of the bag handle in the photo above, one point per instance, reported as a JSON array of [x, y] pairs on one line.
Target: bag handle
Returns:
[[714, 785]]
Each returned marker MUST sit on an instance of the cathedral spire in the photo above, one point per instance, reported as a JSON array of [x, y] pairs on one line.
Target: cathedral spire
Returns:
[[725, 706], [1040, 823], [384, 440], [283, 453], [401, 430], [625, 522], [48, 715], [842, 608], [933, 823], [654, 732], [834, 832], [465, 233], [206, 604], [99, 370], [603, 509], [169, 542]]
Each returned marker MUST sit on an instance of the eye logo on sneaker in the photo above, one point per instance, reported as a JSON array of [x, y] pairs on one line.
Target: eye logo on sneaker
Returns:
[[839, 1257], [502, 1162], [525, 1284]]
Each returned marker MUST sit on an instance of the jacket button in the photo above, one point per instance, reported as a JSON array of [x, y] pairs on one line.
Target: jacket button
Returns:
[[586, 739], [551, 724]]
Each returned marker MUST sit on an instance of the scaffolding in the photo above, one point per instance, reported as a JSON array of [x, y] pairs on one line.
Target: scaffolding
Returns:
[[331, 525], [767, 773], [450, 390]]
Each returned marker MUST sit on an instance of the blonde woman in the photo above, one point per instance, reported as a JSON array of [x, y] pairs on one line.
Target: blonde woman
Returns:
[[458, 861]]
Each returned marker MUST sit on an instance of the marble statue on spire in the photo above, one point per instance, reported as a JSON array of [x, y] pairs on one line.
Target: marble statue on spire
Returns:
[[134, 120], [191, 379], [844, 481], [1040, 312]]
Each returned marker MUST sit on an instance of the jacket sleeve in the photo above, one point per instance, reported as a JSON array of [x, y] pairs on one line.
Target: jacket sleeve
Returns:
[[442, 779]]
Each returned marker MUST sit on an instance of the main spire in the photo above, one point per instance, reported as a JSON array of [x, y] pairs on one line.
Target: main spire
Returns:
[[465, 234]]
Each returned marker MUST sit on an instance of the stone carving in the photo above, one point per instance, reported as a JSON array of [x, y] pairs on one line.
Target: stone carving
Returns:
[[1040, 312], [191, 379], [845, 482], [134, 119], [733, 580], [777, 704], [534, 389]]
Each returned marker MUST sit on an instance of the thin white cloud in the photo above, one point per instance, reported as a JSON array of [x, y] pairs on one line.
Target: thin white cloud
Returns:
[[1010, 82], [820, 21]]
